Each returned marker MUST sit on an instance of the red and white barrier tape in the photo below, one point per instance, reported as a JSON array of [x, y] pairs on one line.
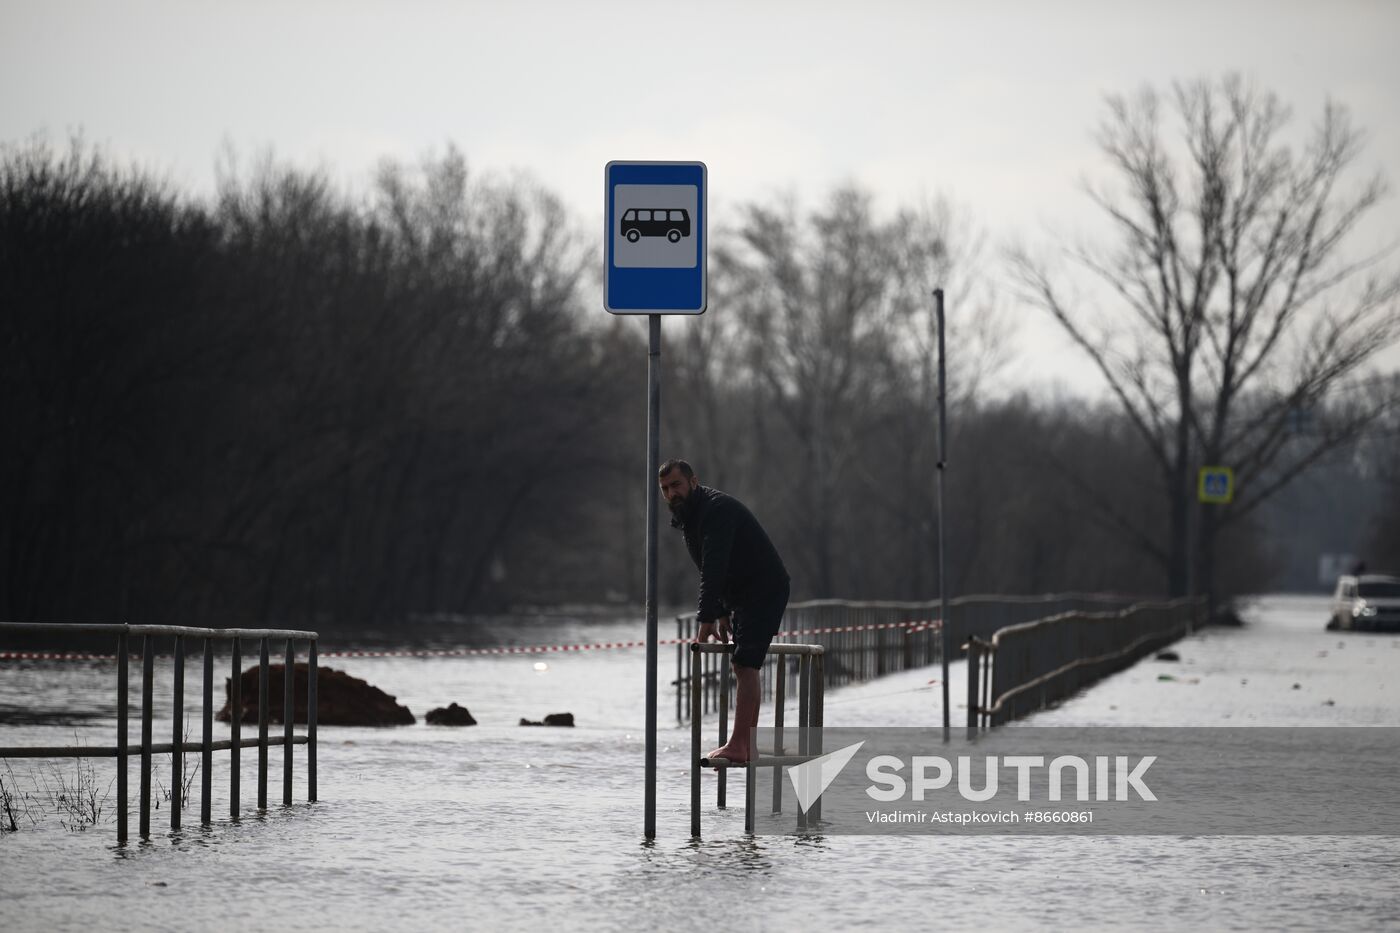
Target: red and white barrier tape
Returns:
[[503, 650], [57, 656]]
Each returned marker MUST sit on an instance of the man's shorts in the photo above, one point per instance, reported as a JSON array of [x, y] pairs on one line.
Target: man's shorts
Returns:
[[755, 624]]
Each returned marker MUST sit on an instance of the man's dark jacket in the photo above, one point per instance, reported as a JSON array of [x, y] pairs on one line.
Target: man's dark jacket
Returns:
[[738, 564]]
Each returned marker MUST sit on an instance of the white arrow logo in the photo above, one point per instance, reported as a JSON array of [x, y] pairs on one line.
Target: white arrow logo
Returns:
[[811, 778]]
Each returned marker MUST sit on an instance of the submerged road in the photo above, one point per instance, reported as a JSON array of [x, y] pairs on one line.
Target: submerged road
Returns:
[[1281, 668]]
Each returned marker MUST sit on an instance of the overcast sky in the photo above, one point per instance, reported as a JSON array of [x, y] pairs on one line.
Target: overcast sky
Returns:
[[991, 103]]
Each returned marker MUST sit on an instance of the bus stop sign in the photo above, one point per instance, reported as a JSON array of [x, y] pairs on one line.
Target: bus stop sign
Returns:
[[654, 247]]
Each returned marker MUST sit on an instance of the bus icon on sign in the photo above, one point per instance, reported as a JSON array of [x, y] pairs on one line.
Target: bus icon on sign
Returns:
[[671, 223]]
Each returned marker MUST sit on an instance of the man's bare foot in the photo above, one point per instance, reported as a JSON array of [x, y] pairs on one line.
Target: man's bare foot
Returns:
[[731, 751]]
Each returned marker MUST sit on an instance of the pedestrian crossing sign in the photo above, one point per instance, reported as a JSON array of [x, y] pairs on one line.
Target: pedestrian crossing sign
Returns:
[[1217, 485]]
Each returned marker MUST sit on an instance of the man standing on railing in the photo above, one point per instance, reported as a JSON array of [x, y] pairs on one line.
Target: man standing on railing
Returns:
[[743, 586]]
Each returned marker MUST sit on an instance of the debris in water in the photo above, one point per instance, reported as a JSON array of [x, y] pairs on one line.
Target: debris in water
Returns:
[[1168, 656], [553, 719], [452, 715], [1165, 677], [342, 700], [1297, 686]]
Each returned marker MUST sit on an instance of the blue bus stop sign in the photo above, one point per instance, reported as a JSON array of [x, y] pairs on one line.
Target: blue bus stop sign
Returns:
[[655, 243]]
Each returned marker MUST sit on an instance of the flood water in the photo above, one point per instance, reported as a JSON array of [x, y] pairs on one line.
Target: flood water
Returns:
[[502, 827]]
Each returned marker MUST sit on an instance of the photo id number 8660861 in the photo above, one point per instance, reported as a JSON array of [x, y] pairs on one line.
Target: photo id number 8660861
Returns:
[[1058, 816]]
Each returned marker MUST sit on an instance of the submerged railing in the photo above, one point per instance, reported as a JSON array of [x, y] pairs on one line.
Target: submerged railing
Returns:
[[176, 747], [859, 640], [1026, 667], [862, 640], [810, 715]]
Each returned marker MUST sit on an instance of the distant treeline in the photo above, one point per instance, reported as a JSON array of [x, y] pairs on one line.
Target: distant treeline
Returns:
[[292, 405]]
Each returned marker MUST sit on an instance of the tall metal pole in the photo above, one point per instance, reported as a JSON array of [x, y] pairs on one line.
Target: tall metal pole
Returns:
[[942, 464], [653, 463]]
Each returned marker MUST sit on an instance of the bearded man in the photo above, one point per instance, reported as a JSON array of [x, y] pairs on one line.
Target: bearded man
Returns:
[[743, 586]]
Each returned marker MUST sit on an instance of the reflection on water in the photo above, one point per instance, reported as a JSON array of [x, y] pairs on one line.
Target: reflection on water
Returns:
[[501, 827]]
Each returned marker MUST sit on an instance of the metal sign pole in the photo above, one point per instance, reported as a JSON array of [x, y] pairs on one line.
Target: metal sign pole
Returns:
[[942, 558], [653, 464], [654, 238]]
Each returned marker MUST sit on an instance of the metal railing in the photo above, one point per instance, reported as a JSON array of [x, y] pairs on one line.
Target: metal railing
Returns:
[[859, 640], [1026, 667], [176, 747], [867, 639], [811, 703]]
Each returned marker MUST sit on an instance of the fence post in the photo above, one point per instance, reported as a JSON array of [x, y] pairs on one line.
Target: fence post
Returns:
[[695, 716], [804, 721], [723, 773], [311, 676], [779, 701], [973, 657], [148, 660], [818, 717], [289, 690], [988, 661], [207, 756], [262, 723], [750, 783], [236, 729], [177, 755], [122, 700]]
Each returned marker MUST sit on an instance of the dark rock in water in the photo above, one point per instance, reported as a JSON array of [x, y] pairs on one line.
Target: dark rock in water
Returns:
[[1168, 656], [452, 715], [341, 700], [553, 719]]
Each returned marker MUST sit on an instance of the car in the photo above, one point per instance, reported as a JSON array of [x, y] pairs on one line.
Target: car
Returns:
[[1366, 603]]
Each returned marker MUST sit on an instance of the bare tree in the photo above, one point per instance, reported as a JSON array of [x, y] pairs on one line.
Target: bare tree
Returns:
[[1237, 301], [838, 343], [812, 289]]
